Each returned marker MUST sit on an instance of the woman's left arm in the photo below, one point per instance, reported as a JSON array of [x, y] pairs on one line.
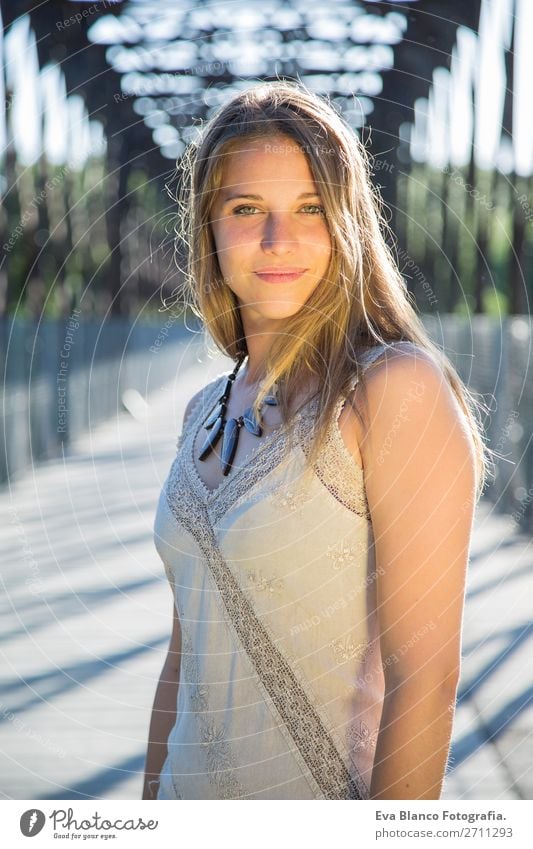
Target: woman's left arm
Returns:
[[419, 467]]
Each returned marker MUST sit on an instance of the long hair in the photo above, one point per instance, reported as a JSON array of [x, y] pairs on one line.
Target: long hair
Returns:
[[362, 300]]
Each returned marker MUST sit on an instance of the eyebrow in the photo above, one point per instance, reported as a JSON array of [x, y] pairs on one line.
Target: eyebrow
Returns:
[[258, 197]]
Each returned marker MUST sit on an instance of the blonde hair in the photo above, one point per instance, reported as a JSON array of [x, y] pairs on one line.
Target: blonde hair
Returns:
[[365, 301]]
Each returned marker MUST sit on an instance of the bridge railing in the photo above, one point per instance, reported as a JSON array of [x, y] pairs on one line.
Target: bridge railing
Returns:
[[61, 378], [493, 357]]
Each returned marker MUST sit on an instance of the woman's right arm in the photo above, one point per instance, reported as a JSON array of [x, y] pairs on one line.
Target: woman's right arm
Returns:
[[163, 713]]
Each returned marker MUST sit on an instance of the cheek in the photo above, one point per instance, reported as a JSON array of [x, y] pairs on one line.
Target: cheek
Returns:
[[231, 244], [319, 233], [322, 244]]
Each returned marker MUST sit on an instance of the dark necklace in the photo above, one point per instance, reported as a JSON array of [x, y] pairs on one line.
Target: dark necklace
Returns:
[[217, 424]]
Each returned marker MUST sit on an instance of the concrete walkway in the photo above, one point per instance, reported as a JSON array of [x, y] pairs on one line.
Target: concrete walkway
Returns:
[[86, 615]]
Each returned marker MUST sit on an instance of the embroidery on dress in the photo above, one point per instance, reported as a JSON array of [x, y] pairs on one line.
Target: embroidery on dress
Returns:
[[219, 760], [258, 582], [198, 697], [361, 738], [348, 649], [289, 499], [344, 555]]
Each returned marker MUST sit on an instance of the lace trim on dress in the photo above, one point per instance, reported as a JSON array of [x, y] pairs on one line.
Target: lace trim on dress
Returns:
[[336, 467], [263, 459], [338, 471]]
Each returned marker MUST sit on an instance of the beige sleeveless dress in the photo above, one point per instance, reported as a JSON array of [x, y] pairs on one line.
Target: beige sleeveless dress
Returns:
[[273, 573]]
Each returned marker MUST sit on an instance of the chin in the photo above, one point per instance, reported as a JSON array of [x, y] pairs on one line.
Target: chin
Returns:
[[279, 310]]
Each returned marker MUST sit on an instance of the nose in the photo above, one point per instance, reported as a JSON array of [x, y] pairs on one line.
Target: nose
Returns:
[[279, 236]]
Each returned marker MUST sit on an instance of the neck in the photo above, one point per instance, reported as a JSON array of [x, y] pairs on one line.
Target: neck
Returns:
[[258, 344]]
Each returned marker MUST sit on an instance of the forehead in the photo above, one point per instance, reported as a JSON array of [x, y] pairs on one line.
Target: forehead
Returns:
[[264, 161]]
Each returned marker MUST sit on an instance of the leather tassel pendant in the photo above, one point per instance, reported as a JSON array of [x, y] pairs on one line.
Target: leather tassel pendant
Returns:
[[215, 433], [229, 444], [218, 412], [250, 422], [217, 425]]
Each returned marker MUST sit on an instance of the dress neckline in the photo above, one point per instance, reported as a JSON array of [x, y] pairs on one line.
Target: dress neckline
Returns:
[[209, 495]]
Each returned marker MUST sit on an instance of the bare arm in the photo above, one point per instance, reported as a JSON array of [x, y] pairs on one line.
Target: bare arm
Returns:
[[420, 481]]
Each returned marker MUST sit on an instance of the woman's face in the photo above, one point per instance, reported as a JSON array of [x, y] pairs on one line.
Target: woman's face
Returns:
[[271, 238]]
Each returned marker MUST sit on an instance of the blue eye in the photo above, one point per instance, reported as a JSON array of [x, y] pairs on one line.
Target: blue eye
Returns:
[[239, 209], [316, 207]]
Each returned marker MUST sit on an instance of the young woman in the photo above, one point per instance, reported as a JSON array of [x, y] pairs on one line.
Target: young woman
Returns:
[[315, 523]]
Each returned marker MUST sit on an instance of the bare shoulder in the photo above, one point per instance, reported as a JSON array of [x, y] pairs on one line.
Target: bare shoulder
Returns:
[[408, 374], [404, 367], [417, 435], [409, 354], [395, 377]]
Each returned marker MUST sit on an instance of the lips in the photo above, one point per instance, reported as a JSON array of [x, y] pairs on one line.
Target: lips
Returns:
[[283, 274]]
